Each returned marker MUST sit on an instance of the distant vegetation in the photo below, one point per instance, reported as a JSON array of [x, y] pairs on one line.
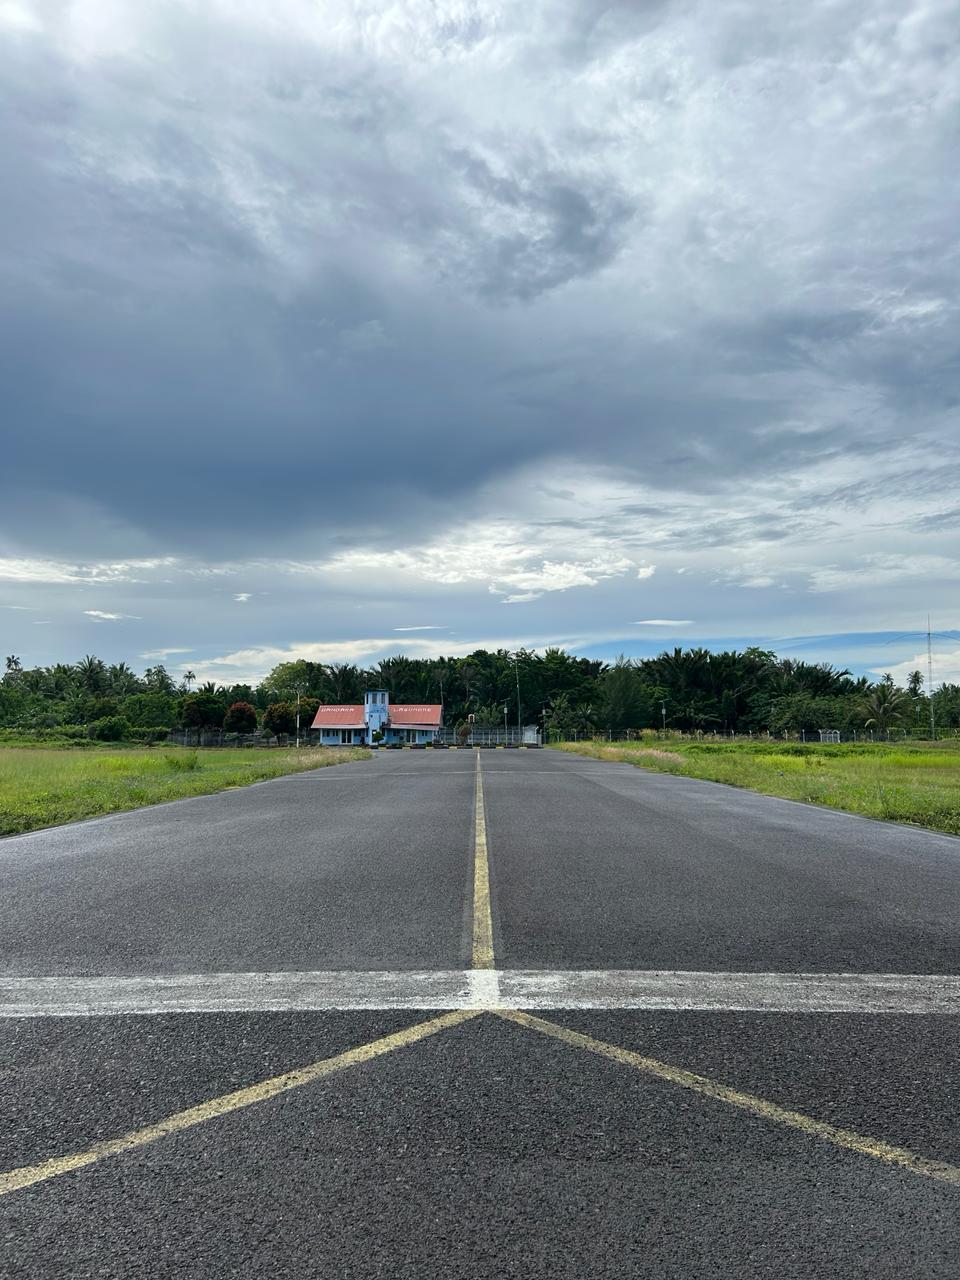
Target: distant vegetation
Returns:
[[41, 788], [915, 782], [692, 690]]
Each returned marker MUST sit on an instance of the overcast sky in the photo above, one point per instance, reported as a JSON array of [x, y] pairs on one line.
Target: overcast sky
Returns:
[[336, 329]]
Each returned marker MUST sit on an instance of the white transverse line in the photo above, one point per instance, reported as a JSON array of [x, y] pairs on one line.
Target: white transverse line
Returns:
[[476, 989]]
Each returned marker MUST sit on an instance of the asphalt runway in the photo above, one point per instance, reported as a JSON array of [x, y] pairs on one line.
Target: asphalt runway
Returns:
[[480, 1014]]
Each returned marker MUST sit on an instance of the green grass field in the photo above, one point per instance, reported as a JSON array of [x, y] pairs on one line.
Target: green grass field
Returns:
[[915, 782], [41, 788]]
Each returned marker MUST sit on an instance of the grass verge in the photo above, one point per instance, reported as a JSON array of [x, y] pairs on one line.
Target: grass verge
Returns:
[[917, 783], [42, 788]]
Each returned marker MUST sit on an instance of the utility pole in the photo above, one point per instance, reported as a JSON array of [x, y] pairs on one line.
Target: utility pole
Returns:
[[516, 668], [663, 714]]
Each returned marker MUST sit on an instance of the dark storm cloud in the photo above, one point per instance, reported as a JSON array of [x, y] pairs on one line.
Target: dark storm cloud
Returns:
[[569, 231], [281, 284]]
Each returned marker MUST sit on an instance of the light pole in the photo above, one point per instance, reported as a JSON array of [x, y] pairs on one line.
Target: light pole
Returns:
[[298, 690], [516, 668], [504, 724]]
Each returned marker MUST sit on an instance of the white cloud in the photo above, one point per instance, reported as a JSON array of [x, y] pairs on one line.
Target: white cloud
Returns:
[[60, 572], [249, 666], [163, 653], [101, 616], [879, 570], [422, 628], [19, 17], [663, 622], [507, 560], [242, 597], [29, 570], [752, 576], [946, 668]]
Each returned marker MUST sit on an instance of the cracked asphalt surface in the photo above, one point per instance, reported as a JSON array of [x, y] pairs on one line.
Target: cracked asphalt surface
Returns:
[[486, 1150]]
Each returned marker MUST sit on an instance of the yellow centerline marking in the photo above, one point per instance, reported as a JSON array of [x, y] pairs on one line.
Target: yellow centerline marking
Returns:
[[939, 1170], [482, 913], [17, 1179], [483, 959]]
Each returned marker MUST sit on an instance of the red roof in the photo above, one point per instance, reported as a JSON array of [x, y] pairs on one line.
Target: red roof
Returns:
[[424, 715], [409, 714], [339, 718]]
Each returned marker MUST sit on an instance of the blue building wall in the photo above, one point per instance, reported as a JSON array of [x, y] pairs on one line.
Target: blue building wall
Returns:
[[417, 736], [359, 737], [334, 737]]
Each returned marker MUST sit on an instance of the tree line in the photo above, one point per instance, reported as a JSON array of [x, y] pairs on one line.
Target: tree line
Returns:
[[689, 690]]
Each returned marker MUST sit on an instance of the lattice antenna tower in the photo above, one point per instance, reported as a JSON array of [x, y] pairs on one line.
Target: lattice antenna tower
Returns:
[[933, 724]]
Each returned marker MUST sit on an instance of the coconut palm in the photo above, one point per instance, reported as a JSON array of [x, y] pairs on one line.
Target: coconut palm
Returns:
[[397, 675], [121, 679], [345, 682], [157, 679], [92, 673], [884, 707]]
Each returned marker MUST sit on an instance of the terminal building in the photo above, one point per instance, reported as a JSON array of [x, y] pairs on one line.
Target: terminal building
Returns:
[[377, 720]]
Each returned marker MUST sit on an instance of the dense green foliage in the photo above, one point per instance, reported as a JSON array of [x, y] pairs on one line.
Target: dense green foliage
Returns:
[[109, 729], [687, 689]]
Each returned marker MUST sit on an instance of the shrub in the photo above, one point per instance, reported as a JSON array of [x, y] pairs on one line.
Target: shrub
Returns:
[[149, 737], [201, 711], [280, 717], [101, 708], [185, 763], [240, 718], [72, 731], [109, 729]]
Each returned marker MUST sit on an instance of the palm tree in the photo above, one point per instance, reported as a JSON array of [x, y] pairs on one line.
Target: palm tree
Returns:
[[396, 675], [345, 682], [884, 707], [121, 679], [188, 679], [61, 680], [92, 673], [157, 679]]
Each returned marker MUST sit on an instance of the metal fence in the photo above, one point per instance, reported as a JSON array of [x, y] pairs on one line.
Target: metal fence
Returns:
[[529, 735], [220, 738], [704, 735]]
